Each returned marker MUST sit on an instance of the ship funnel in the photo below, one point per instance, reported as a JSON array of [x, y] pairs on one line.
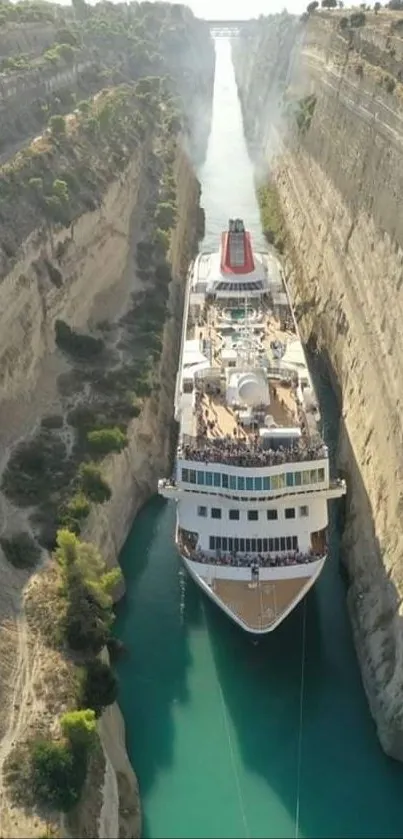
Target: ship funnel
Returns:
[[236, 249]]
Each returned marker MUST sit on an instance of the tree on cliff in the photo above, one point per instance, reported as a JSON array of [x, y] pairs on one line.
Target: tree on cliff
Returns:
[[311, 7], [329, 4], [377, 6]]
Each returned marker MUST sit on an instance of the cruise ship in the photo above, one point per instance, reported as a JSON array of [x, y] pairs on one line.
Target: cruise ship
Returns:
[[252, 480]]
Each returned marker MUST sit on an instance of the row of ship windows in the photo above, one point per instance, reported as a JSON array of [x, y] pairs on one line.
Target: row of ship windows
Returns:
[[224, 543], [238, 482], [253, 515]]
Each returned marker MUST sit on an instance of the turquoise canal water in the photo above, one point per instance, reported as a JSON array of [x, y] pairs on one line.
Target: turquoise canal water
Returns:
[[214, 725]]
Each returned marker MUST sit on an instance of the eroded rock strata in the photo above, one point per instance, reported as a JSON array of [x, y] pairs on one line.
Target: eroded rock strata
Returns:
[[99, 217], [323, 108]]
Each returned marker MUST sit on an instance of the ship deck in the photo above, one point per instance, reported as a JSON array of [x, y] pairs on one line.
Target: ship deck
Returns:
[[260, 605], [220, 418]]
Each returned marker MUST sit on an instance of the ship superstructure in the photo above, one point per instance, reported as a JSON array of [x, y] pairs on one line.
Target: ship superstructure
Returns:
[[252, 472]]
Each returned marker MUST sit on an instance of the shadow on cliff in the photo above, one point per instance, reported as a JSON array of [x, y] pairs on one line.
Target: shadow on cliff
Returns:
[[331, 763], [153, 623]]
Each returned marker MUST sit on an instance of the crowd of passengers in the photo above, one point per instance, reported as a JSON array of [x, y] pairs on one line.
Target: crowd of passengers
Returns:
[[248, 453], [255, 560]]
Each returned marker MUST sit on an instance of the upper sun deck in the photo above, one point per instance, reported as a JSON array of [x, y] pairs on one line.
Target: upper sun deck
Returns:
[[244, 389]]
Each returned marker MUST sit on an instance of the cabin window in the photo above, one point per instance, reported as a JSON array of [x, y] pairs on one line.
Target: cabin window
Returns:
[[271, 515], [233, 515], [202, 511], [290, 512], [216, 512], [304, 511], [253, 515]]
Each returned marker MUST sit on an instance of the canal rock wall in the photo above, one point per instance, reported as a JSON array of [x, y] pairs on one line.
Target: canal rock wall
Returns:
[[323, 110], [133, 473], [85, 273]]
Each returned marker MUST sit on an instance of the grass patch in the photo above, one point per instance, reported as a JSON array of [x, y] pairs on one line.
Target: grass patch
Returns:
[[271, 215]]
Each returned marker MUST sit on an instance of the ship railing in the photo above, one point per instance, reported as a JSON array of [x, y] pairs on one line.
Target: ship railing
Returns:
[[278, 559], [246, 455]]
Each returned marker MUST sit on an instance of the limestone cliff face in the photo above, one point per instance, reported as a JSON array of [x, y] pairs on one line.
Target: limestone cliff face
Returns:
[[133, 474], [339, 178], [89, 259]]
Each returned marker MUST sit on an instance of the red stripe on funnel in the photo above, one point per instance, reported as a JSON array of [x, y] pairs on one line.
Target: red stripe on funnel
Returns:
[[248, 263]]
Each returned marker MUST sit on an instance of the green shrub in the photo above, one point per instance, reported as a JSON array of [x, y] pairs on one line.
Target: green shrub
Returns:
[[107, 440], [271, 215], [57, 125], [98, 687], [60, 189], [56, 777], [82, 417], [75, 343], [162, 241], [357, 19], [93, 484], [86, 621], [165, 216], [52, 422], [79, 727], [306, 108], [74, 513], [21, 550], [36, 468]]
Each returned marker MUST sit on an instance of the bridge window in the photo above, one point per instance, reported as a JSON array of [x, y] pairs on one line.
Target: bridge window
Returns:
[[200, 478], [258, 484], [217, 479], [185, 475]]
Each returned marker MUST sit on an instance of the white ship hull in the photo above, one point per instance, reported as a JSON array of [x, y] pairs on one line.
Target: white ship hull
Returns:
[[269, 617], [252, 480]]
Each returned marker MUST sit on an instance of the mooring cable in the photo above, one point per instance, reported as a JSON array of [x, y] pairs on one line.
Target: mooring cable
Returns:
[[301, 715]]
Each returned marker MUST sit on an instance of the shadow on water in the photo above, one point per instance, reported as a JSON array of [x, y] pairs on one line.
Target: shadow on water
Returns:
[[153, 622], [347, 786]]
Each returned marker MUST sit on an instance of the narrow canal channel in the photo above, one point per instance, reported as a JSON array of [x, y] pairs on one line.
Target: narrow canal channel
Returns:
[[216, 730]]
